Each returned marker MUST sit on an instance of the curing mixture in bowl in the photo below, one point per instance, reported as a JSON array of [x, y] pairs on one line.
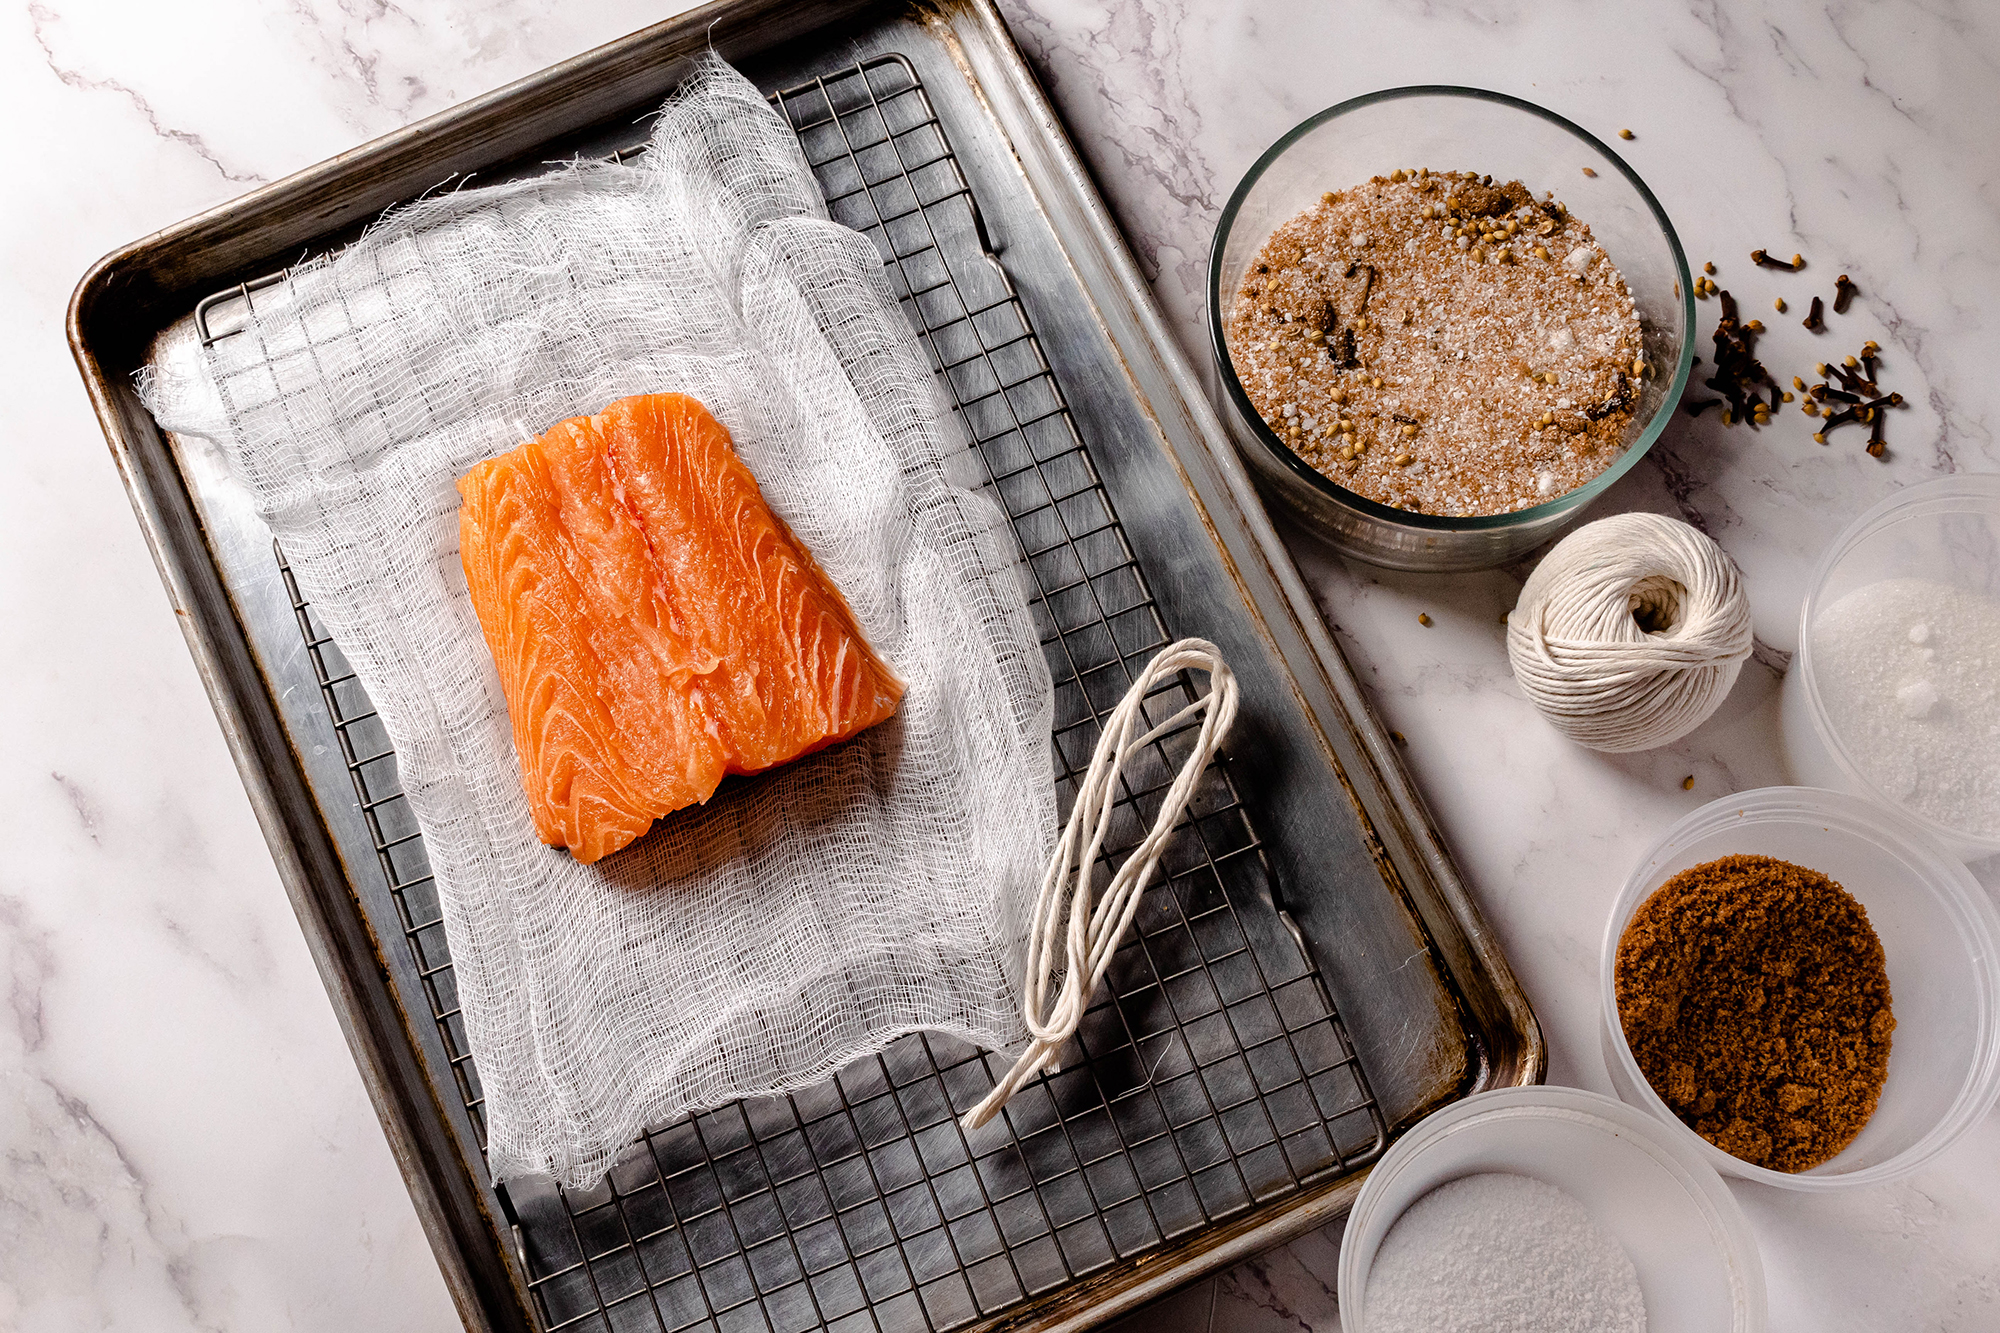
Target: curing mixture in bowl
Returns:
[[1440, 343]]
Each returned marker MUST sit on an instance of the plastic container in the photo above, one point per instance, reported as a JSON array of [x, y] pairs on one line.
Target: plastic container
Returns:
[[1466, 129], [1697, 1262], [1946, 531], [1941, 942]]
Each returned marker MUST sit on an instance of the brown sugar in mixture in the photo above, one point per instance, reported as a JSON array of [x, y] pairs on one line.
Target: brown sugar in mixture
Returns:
[[1753, 995], [1439, 343]]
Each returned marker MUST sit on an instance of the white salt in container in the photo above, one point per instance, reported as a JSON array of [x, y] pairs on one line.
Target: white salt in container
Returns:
[[1894, 693], [1697, 1264]]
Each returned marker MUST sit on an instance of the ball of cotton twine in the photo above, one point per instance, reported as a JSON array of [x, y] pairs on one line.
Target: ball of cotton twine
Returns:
[[1630, 632]]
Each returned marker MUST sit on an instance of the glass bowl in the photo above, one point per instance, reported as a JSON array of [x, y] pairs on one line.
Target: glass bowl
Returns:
[[1697, 1263], [1940, 941], [1445, 128], [1943, 531]]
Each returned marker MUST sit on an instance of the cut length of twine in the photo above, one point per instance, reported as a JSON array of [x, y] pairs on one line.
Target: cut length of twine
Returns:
[[1630, 633], [1066, 920]]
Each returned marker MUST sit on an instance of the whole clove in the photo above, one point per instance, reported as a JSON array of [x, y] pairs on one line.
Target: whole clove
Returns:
[[1739, 376], [1843, 292], [1367, 283], [1840, 418], [1816, 318], [1866, 403], [1854, 382], [1340, 349], [1765, 259], [1621, 396]]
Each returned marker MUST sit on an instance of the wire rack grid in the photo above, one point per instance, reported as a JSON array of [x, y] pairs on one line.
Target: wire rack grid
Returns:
[[1211, 1075]]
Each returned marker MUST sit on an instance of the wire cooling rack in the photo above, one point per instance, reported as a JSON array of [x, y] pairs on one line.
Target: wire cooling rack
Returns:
[[1211, 1077]]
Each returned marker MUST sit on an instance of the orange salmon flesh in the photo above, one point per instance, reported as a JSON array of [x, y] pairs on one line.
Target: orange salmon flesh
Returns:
[[655, 625]]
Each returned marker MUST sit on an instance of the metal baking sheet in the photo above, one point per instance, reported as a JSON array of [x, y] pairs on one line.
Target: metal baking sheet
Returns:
[[1267, 1029]]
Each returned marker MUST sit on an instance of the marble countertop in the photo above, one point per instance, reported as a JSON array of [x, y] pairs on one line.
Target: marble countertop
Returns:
[[184, 1142]]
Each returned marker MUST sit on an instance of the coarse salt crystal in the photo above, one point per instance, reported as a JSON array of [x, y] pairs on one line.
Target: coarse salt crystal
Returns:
[[1917, 698], [1923, 739], [1545, 483], [1579, 258], [1494, 1251], [1561, 339]]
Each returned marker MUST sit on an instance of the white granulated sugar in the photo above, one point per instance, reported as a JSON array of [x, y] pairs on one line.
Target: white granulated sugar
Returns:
[[1909, 673], [1500, 1253]]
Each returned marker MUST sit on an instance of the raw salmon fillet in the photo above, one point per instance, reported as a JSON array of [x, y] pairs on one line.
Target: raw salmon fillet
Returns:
[[656, 626]]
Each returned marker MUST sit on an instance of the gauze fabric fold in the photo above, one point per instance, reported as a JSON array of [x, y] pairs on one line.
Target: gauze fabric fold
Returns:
[[798, 920]]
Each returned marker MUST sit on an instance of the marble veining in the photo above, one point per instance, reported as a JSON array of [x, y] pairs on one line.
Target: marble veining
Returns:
[[184, 1143]]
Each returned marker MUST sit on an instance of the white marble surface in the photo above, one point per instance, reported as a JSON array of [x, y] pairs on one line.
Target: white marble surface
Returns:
[[183, 1141]]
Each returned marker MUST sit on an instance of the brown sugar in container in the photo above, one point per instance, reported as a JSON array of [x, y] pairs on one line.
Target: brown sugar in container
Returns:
[[1940, 937]]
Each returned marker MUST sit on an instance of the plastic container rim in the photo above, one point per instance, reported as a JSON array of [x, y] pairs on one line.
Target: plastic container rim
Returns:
[[1968, 486], [1728, 1228], [1577, 498], [1956, 890]]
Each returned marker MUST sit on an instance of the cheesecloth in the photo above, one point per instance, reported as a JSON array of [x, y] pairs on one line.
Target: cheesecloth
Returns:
[[798, 920]]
